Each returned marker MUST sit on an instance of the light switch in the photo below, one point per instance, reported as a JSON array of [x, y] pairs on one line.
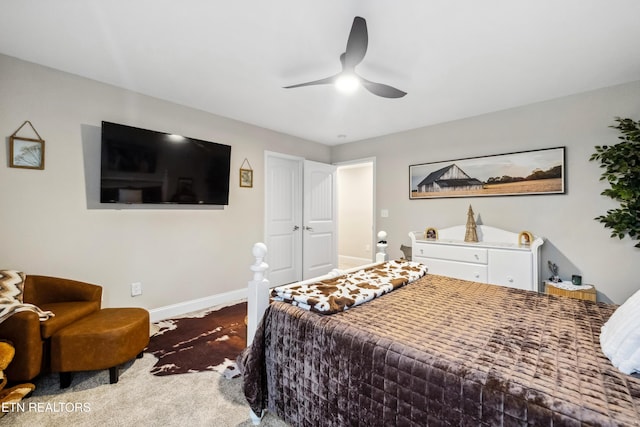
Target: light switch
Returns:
[[384, 213]]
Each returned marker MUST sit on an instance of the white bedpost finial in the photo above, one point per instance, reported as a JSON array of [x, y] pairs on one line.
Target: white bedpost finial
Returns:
[[259, 267], [258, 296], [381, 255], [259, 250]]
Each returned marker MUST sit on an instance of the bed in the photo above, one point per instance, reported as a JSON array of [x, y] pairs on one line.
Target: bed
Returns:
[[440, 351]]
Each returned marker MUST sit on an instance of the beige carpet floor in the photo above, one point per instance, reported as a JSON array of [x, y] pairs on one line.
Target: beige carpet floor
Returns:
[[138, 399]]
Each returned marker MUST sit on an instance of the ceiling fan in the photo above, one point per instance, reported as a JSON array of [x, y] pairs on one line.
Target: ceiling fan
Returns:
[[347, 79]]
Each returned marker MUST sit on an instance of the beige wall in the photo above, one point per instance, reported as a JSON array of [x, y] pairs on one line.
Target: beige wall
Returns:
[[577, 243], [50, 221]]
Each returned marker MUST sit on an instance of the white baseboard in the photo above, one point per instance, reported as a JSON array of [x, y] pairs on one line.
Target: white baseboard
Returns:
[[346, 262], [175, 310]]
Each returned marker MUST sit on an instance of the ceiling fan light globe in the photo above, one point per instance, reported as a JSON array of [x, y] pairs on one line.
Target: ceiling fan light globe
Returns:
[[347, 83]]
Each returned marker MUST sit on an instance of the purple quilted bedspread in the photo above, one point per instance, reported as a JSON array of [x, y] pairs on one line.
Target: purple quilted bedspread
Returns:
[[440, 351]]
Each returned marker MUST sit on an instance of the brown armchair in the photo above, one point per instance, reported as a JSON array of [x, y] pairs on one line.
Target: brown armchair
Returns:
[[68, 299]]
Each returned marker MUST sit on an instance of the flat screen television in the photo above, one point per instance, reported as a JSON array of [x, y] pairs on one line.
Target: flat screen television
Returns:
[[141, 166]]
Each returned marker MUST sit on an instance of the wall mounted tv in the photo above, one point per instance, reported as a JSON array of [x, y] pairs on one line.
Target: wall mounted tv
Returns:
[[141, 166]]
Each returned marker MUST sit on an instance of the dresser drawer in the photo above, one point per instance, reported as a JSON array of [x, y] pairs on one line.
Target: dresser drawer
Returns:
[[451, 253], [459, 270], [511, 268]]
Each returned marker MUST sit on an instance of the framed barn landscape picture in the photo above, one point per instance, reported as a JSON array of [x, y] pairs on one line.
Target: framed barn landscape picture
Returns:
[[511, 174]]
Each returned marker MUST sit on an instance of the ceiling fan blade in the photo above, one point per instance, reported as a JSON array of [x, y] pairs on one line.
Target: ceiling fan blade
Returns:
[[357, 43], [383, 90], [326, 81], [354, 54]]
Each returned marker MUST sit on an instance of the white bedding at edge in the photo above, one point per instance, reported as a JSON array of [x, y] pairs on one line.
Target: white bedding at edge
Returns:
[[620, 336]]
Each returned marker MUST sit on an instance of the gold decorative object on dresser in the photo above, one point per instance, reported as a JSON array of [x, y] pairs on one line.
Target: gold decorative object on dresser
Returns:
[[471, 234], [566, 289]]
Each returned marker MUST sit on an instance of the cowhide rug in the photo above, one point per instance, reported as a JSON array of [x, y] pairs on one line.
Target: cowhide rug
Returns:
[[207, 341]]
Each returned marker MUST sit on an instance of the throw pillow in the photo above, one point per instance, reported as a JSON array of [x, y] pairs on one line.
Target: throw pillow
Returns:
[[12, 284], [620, 336]]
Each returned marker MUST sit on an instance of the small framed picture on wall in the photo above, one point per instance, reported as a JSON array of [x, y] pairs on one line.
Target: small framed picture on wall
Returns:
[[246, 178], [26, 153]]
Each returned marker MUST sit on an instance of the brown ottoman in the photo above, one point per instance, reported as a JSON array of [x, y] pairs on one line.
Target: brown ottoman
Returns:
[[104, 339]]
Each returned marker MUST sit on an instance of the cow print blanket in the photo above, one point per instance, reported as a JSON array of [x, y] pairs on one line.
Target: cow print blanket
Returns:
[[349, 290]]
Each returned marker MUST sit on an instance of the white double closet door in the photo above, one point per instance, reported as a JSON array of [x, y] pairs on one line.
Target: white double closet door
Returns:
[[300, 218]]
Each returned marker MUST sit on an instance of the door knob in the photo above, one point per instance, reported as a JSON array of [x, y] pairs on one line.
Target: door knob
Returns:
[[308, 228], [296, 228]]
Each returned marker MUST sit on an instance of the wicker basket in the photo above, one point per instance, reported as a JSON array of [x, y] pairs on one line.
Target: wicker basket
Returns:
[[584, 294]]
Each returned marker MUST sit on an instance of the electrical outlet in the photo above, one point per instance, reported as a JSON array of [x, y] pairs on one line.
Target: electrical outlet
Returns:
[[136, 289]]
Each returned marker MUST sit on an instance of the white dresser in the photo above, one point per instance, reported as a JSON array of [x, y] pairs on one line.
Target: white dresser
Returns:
[[498, 258]]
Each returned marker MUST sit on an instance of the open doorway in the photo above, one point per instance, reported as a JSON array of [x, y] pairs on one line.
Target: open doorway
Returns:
[[356, 220]]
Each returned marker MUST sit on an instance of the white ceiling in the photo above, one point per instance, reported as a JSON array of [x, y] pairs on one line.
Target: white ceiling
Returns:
[[455, 58]]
